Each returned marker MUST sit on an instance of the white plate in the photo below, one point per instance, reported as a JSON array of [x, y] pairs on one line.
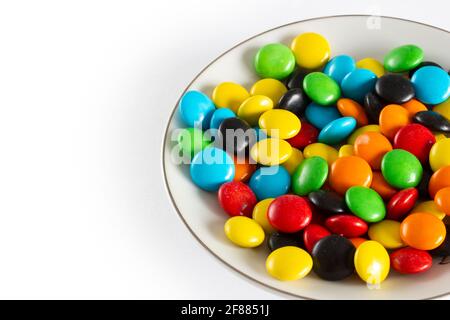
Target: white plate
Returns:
[[359, 36]]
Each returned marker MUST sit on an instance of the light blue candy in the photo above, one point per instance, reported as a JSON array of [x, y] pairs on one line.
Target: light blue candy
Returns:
[[219, 115], [270, 182], [337, 130], [196, 109], [260, 134], [358, 83], [432, 84], [319, 116], [212, 167], [338, 67]]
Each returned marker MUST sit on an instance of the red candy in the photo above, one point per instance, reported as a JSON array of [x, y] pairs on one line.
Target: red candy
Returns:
[[307, 135], [402, 203], [237, 199], [416, 139], [346, 225], [289, 213], [312, 234], [410, 260]]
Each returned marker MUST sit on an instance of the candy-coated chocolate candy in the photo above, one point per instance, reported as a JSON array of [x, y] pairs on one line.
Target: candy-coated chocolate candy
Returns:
[[229, 95], [358, 83], [350, 108], [274, 60], [346, 225], [289, 213], [271, 88], [190, 141], [333, 258], [259, 214], [348, 172], [270, 152], [392, 118], [196, 109], [210, 168], [439, 154], [387, 233], [443, 109], [307, 135], [370, 128], [416, 139], [380, 185], [410, 261], [422, 231], [422, 64], [260, 134], [422, 187], [328, 202], [432, 120], [402, 203], [442, 199], [294, 100], [235, 136], [401, 169], [270, 182], [313, 233], [311, 50], [319, 116], [279, 123], [294, 160], [373, 105], [279, 240], [289, 263], [357, 241], [371, 64], [439, 180], [309, 176], [365, 203], [244, 232], [219, 115], [236, 198], [413, 106], [394, 88], [346, 150], [403, 58], [295, 80], [337, 131], [432, 84], [429, 207], [338, 67], [444, 249], [372, 146], [321, 88], [372, 262], [243, 169], [253, 107], [321, 150]]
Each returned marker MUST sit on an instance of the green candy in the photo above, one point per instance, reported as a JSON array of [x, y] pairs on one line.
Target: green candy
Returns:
[[321, 88], [401, 169], [190, 141], [309, 176], [274, 60], [403, 58], [365, 203]]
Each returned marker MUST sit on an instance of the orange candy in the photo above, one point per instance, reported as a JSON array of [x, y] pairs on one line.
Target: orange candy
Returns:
[[347, 172], [442, 200], [413, 106], [350, 108], [422, 231], [439, 180], [380, 185], [392, 118], [357, 241], [243, 170], [372, 146]]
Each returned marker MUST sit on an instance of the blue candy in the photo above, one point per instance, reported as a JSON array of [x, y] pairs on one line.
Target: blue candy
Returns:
[[260, 134], [270, 182], [432, 84], [319, 116], [212, 167], [338, 67], [337, 130], [196, 109], [219, 115], [358, 83]]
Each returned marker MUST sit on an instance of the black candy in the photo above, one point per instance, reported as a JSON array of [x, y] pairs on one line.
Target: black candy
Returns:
[[235, 134], [333, 258], [294, 100], [328, 202], [373, 105], [423, 185], [432, 120], [444, 249], [278, 240], [394, 88], [423, 64], [295, 80]]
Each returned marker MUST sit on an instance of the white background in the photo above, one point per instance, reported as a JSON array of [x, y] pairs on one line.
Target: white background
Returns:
[[86, 88]]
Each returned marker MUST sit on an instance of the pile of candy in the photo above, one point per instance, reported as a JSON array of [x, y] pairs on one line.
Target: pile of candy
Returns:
[[342, 166]]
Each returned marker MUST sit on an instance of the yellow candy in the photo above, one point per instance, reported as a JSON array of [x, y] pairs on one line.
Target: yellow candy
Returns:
[[387, 232], [270, 88], [289, 263], [429, 207], [370, 128], [346, 150], [372, 262], [280, 123], [260, 214], [229, 95], [244, 232], [271, 152], [321, 150], [439, 136], [440, 154], [443, 108], [252, 108], [293, 161], [371, 64], [311, 50]]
